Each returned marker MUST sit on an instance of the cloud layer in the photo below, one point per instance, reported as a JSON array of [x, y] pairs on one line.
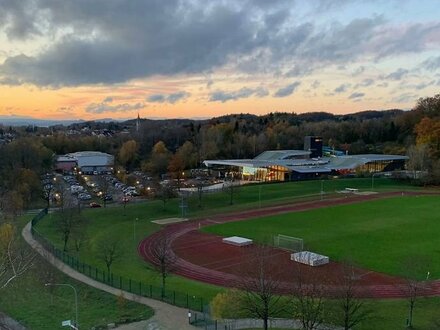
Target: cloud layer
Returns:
[[109, 41]]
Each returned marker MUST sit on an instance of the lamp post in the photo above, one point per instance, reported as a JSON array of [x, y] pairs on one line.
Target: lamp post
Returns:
[[134, 228], [372, 179], [76, 299], [259, 196]]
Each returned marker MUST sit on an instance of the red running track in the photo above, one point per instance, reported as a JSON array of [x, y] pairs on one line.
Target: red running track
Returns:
[[203, 257]]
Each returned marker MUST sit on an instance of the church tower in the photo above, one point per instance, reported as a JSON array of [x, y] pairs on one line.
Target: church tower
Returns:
[[138, 123]]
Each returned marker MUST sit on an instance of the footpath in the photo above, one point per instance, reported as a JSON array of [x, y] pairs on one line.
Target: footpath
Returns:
[[166, 317]]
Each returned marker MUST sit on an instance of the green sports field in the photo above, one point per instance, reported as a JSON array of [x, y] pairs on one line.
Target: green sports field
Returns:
[[378, 235]]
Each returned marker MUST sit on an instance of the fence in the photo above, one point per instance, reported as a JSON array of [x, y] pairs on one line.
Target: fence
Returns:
[[186, 300]]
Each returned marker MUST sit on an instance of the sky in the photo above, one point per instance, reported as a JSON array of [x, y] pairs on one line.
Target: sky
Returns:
[[92, 59]]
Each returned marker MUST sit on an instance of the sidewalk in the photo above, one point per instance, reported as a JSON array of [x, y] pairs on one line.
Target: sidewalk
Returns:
[[166, 317]]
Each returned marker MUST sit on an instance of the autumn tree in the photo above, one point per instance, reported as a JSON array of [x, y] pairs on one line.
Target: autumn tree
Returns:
[[428, 133], [128, 153], [159, 159], [188, 153], [176, 167], [163, 257], [226, 305]]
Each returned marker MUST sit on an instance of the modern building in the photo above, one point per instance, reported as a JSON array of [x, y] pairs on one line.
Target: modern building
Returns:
[[286, 165], [87, 162], [314, 145]]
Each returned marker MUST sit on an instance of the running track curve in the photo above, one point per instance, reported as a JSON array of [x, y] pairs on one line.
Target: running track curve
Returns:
[[391, 287]]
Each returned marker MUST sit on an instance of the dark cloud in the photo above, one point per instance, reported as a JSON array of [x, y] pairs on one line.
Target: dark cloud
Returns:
[[19, 19], [108, 41], [412, 38], [423, 85], [287, 90], [432, 63], [104, 107], [397, 75], [356, 95], [405, 98], [342, 88], [168, 98], [222, 96], [315, 84]]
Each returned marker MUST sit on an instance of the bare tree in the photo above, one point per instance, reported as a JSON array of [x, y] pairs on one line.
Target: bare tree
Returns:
[[104, 187], [109, 252], [351, 310], [15, 258], [67, 221], [163, 256], [259, 285], [165, 192], [414, 268], [309, 299]]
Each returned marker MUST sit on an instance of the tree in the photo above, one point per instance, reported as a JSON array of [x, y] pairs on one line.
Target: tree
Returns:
[[414, 267], [164, 192], [159, 159], [67, 221], [259, 285], [176, 167], [419, 160], [225, 305], [308, 299], [163, 257], [109, 251], [128, 153], [351, 310], [188, 153], [104, 188], [15, 259]]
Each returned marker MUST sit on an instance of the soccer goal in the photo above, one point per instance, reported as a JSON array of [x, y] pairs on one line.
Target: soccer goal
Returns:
[[288, 243]]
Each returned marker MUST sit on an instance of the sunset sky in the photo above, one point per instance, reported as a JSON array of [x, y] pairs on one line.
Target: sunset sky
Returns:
[[94, 59]]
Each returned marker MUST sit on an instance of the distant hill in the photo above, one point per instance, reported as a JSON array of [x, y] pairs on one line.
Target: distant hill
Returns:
[[26, 121]]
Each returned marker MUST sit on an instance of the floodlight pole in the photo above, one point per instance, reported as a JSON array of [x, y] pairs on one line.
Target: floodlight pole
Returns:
[[259, 196], [372, 179], [76, 299]]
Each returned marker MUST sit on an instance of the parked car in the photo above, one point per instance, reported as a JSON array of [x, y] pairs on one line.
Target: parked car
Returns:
[[94, 205], [107, 197], [76, 189], [84, 197]]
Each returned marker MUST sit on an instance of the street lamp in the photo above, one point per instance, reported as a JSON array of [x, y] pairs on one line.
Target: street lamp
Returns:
[[76, 300], [134, 228]]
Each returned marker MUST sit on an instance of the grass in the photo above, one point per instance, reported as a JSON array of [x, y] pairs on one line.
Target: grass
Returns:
[[37, 306], [377, 235], [115, 223], [111, 223]]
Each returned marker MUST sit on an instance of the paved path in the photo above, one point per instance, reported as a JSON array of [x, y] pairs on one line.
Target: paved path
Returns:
[[166, 317]]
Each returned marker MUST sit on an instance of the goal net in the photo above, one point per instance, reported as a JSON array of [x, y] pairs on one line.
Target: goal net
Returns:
[[289, 243]]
